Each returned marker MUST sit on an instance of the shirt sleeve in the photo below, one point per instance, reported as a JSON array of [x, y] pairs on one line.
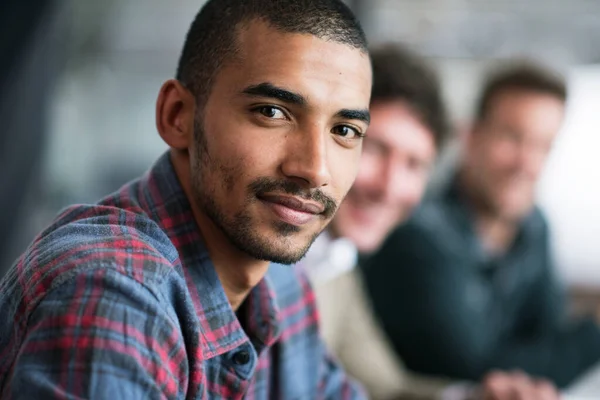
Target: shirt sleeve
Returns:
[[99, 335]]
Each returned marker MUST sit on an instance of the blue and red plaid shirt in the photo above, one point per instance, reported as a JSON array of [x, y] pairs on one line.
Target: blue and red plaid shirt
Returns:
[[120, 300]]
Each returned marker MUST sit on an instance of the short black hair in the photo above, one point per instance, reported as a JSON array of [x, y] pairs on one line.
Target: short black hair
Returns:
[[212, 37], [521, 75], [400, 74]]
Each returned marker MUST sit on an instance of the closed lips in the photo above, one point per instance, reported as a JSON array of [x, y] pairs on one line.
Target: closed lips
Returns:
[[294, 203]]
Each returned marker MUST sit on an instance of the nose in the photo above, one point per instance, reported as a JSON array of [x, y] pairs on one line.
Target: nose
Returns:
[[306, 160]]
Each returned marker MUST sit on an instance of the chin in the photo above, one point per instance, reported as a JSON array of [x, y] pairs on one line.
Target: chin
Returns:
[[363, 245], [514, 214], [286, 249], [367, 248], [288, 256]]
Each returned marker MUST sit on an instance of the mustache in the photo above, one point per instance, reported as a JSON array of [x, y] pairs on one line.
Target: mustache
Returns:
[[270, 185]]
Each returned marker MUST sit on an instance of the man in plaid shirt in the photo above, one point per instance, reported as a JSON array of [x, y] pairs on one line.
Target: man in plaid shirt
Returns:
[[165, 289]]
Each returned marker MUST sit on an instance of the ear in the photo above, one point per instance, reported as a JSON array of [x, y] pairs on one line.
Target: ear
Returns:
[[175, 110]]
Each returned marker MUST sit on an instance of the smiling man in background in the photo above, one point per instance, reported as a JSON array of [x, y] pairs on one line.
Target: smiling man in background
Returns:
[[164, 289]]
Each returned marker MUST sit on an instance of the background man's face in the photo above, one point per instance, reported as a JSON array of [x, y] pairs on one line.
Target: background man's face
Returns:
[[278, 143], [508, 149], [397, 155]]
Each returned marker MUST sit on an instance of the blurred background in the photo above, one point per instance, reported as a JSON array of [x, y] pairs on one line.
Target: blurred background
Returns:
[[79, 79]]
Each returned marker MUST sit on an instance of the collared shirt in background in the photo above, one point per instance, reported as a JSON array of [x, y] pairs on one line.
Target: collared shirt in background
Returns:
[[351, 330]]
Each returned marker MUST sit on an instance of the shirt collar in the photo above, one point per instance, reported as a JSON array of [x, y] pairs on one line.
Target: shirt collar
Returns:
[[329, 258], [163, 199]]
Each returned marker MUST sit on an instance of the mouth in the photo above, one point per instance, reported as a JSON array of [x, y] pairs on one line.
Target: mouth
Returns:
[[291, 209]]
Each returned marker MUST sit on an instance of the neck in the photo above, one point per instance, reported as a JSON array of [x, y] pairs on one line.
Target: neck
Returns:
[[496, 233], [237, 271]]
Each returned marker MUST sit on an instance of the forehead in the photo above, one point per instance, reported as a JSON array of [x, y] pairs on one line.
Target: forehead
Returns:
[[395, 125], [325, 72], [529, 110]]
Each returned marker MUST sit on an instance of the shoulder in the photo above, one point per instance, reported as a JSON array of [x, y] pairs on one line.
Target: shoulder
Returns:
[[433, 220], [84, 238], [428, 251], [537, 221], [431, 233]]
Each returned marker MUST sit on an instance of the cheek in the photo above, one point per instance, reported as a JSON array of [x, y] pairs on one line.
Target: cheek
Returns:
[[415, 192], [234, 164], [234, 140], [369, 173], [362, 182], [501, 156], [535, 162], [369, 166], [227, 170], [409, 186]]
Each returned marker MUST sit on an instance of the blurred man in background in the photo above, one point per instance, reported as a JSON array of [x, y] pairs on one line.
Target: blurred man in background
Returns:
[[408, 127], [468, 284]]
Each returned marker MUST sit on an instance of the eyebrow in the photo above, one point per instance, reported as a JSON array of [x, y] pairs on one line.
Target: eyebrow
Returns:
[[360, 115], [269, 90]]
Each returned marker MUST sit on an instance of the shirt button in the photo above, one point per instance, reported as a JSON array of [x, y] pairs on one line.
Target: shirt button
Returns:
[[241, 357]]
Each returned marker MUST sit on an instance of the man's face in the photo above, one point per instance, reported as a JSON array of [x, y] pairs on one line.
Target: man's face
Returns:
[[508, 149], [397, 155], [278, 142]]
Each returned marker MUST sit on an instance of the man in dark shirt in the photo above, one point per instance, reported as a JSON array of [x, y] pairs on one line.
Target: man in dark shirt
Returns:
[[468, 285]]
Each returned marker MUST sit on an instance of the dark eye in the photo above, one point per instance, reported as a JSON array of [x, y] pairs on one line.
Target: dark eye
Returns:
[[271, 112], [347, 132]]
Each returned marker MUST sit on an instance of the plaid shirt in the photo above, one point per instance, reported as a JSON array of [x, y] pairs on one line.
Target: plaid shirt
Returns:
[[120, 300]]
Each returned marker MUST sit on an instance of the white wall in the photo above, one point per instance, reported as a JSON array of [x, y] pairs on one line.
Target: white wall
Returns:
[[570, 188]]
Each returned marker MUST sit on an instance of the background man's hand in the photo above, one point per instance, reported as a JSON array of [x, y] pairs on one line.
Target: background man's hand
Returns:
[[517, 386]]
